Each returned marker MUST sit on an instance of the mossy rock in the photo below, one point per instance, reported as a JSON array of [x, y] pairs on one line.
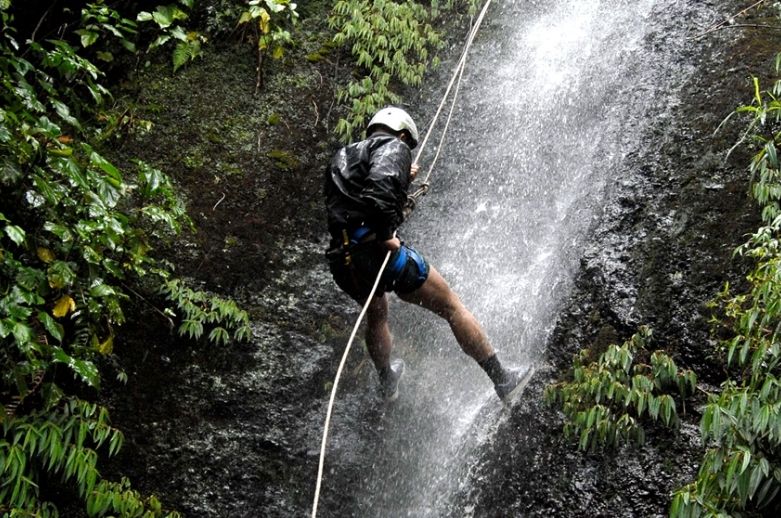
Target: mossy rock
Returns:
[[273, 119], [283, 160], [314, 57]]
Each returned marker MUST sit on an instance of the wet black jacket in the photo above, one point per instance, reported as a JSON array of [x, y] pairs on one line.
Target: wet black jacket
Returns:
[[366, 184]]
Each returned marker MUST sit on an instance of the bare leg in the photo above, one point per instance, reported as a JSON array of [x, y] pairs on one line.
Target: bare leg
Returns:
[[378, 337], [437, 296]]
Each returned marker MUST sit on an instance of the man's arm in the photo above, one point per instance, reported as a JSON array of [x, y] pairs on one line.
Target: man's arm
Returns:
[[394, 243]]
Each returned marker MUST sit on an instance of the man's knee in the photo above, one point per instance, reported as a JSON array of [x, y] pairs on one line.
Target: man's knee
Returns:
[[444, 302]]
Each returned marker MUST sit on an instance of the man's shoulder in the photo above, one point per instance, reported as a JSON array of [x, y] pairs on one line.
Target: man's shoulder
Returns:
[[388, 145], [370, 145]]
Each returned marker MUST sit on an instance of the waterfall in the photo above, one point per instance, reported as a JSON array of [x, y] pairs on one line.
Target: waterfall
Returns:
[[555, 95]]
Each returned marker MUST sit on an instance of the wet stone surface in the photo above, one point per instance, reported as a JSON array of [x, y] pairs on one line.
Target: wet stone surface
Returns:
[[663, 249]]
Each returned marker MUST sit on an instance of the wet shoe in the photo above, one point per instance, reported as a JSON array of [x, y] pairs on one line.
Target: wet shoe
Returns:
[[389, 380], [515, 380]]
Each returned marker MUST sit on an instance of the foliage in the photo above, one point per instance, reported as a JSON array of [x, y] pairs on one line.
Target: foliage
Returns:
[[166, 17], [741, 470], [391, 41], [270, 27], [199, 308], [76, 234], [607, 400], [438, 7], [62, 439], [762, 131], [98, 21]]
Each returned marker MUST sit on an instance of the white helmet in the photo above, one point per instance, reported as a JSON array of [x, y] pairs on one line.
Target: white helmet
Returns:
[[397, 120]]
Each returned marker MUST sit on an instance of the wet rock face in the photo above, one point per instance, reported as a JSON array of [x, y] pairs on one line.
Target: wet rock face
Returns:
[[234, 431], [662, 250]]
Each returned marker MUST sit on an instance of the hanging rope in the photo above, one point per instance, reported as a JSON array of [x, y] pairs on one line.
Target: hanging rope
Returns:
[[456, 79], [458, 73]]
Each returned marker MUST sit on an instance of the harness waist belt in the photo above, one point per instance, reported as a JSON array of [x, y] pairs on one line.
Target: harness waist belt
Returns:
[[362, 234]]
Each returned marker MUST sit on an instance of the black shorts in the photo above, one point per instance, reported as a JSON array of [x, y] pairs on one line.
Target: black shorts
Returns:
[[406, 271]]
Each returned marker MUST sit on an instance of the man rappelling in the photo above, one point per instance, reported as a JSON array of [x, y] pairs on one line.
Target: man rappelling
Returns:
[[366, 191]]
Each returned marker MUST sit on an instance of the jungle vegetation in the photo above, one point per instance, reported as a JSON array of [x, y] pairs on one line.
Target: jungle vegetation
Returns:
[[80, 235]]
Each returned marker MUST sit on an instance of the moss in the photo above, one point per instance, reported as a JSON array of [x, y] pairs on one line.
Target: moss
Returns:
[[194, 160], [231, 169], [273, 119], [231, 241], [321, 53], [214, 136], [153, 108], [283, 160], [314, 57]]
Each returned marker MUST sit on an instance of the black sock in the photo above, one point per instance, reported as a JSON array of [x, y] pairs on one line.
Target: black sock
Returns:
[[493, 367]]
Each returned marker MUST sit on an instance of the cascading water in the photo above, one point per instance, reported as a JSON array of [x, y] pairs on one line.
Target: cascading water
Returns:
[[545, 114]]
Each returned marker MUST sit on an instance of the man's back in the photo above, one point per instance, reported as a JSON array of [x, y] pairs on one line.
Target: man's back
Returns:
[[366, 184]]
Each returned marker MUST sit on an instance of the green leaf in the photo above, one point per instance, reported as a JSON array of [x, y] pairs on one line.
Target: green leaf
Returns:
[[243, 333], [584, 439], [108, 193], [60, 231], [15, 234], [88, 37], [160, 40], [191, 328], [102, 290], [84, 369], [60, 275], [114, 176], [164, 15], [179, 34], [51, 325], [181, 55], [219, 336], [115, 443], [756, 479], [23, 335], [64, 112], [667, 408]]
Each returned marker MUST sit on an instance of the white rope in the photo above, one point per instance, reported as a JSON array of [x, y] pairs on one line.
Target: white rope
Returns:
[[457, 75], [336, 382], [447, 125], [457, 72]]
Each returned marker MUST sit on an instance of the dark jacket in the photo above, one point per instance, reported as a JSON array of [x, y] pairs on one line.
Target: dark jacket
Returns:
[[366, 184]]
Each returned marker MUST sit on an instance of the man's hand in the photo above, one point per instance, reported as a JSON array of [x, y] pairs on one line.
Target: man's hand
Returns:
[[413, 171], [392, 244]]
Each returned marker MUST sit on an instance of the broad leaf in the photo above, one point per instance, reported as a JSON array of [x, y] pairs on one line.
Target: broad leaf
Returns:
[[63, 306]]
